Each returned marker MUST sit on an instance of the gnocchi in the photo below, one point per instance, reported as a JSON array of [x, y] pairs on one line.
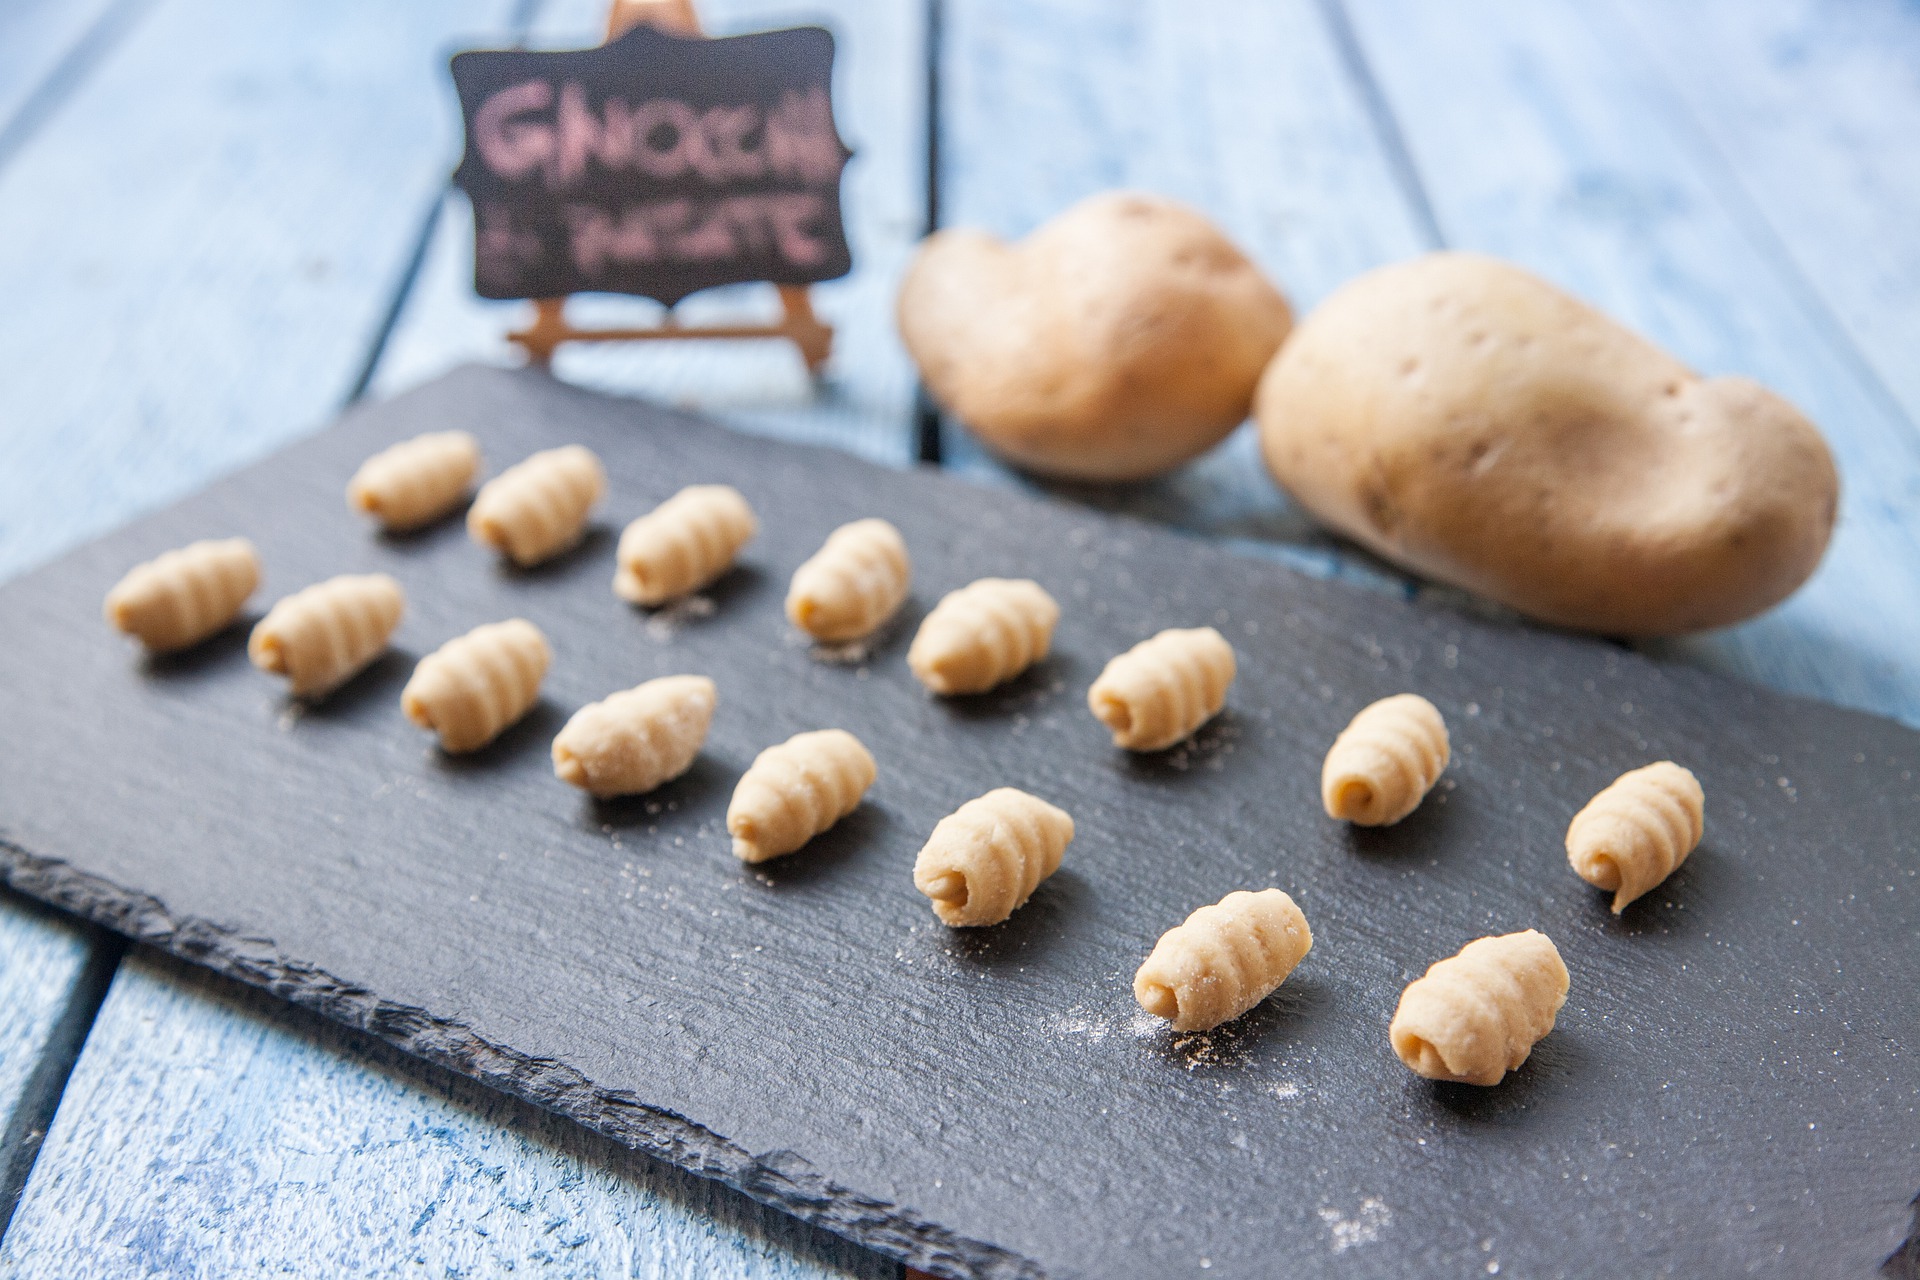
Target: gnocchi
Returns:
[[982, 635], [1477, 1015], [181, 597], [474, 686], [324, 635], [854, 583], [1637, 831], [536, 509], [1385, 761], [796, 790], [985, 859], [636, 739], [683, 544], [1223, 959], [1161, 690], [415, 482]]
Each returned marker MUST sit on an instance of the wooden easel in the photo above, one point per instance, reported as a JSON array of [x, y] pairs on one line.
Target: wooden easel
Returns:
[[798, 324]]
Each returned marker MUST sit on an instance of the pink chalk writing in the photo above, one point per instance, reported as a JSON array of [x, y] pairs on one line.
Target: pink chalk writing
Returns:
[[521, 131], [784, 224]]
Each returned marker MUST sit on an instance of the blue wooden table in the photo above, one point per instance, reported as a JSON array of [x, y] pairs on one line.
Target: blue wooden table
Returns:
[[221, 222]]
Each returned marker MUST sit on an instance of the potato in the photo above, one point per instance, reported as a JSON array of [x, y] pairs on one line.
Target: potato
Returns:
[[1114, 343], [1470, 421]]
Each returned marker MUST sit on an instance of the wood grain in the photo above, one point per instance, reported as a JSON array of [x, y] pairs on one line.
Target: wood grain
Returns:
[[993, 1103], [45, 46], [201, 240], [343, 1135], [864, 404], [1809, 114], [1564, 160]]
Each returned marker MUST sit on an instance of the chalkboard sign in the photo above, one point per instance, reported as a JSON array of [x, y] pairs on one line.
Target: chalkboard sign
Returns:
[[654, 165]]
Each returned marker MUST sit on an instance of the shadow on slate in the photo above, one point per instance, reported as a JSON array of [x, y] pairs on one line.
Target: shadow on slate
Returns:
[[1732, 1087]]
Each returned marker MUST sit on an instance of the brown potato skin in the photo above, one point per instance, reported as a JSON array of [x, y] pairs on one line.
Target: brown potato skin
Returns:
[[1116, 342], [1468, 420]]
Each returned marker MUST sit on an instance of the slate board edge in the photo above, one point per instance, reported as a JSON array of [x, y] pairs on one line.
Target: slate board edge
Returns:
[[785, 1182], [783, 1179]]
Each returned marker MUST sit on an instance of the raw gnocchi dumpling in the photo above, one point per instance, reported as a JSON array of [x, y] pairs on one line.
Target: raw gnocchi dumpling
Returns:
[[1161, 690], [538, 508], [637, 739], [1223, 960], [417, 481], [181, 597], [1637, 831], [323, 636], [854, 582], [796, 790], [1383, 763], [1477, 1015], [985, 859], [683, 544], [982, 635], [473, 686]]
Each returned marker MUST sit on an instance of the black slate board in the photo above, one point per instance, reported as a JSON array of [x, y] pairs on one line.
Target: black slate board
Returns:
[[1733, 1085]]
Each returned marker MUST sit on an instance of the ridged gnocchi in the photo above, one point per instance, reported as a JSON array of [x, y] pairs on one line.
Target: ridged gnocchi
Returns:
[[982, 635], [1161, 690], [1637, 831], [1477, 1015], [637, 739], [1223, 959], [796, 790], [181, 597], [985, 859], [1385, 761], [538, 508], [683, 544], [472, 687], [417, 481], [324, 635], [855, 582]]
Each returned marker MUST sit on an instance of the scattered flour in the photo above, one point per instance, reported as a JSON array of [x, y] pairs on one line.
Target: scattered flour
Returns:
[[1363, 1228]]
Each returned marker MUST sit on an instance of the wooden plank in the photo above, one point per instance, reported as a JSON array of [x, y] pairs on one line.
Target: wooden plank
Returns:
[[196, 245], [46, 48], [52, 974], [211, 1130], [1562, 159], [1814, 112], [807, 1030], [865, 402], [1241, 109]]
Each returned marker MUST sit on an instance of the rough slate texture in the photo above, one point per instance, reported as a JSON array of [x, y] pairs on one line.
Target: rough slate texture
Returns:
[[1732, 1085]]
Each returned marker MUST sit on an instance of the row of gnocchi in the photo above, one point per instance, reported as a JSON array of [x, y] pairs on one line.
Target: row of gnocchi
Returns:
[[1472, 1018]]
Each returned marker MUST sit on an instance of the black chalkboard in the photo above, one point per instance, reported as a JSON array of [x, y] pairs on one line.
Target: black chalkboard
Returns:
[[655, 165], [1733, 1087]]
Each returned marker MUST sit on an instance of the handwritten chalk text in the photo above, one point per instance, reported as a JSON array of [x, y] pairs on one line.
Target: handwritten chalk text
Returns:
[[520, 133]]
